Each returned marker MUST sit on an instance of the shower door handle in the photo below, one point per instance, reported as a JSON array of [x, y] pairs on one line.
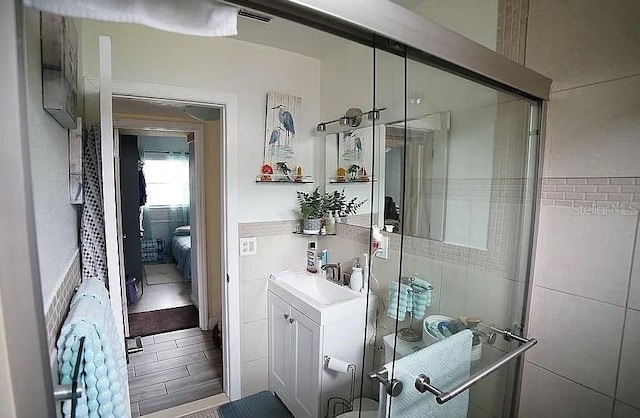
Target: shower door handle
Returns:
[[423, 382]]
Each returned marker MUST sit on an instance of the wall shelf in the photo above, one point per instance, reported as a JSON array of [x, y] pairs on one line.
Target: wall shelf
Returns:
[[314, 235], [282, 179]]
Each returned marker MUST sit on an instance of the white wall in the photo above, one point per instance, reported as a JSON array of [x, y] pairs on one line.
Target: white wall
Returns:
[[248, 70], [56, 219]]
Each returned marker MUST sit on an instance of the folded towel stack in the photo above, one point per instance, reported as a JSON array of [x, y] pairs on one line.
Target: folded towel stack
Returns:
[[104, 370], [421, 297], [399, 306]]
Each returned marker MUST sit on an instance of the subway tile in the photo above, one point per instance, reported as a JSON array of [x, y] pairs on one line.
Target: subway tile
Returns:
[[255, 341], [598, 180], [629, 374], [578, 338], [586, 255], [604, 142], [579, 42], [545, 394]]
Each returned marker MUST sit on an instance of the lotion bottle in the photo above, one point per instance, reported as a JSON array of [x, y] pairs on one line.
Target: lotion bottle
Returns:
[[355, 282], [311, 258]]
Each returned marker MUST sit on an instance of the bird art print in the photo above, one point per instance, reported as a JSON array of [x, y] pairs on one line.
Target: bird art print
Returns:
[[280, 133]]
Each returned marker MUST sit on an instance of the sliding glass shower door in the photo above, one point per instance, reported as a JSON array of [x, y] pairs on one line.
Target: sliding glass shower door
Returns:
[[458, 181]]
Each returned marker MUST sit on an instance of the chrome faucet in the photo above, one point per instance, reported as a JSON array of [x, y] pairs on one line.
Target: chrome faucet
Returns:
[[336, 272]]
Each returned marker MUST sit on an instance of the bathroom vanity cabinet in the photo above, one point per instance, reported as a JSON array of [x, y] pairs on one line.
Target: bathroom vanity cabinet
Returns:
[[294, 357], [301, 333]]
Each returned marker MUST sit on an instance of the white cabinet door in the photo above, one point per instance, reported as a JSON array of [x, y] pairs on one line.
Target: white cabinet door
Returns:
[[306, 363], [279, 346]]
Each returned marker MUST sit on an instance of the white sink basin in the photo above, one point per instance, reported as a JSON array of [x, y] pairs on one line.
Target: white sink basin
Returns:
[[319, 289], [318, 298]]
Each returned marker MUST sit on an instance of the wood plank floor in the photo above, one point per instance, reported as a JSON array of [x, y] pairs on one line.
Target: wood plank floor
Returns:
[[174, 368]]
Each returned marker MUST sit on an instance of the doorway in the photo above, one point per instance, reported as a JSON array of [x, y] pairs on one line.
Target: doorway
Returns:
[[173, 302]]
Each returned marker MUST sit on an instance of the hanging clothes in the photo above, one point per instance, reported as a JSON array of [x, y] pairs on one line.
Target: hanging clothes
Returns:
[[142, 184], [93, 244]]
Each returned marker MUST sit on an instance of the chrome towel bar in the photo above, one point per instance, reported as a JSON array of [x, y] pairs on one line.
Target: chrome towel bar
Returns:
[[392, 387], [423, 382], [72, 391]]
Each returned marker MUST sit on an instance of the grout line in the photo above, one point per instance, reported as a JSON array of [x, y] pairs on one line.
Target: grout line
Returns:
[[624, 318], [580, 296], [596, 83], [570, 379]]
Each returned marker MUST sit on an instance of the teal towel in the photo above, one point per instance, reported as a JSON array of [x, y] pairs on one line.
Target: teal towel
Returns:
[[104, 369], [421, 297], [398, 308]]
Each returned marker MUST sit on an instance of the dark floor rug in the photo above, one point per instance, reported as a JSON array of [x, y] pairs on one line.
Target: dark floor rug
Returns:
[[163, 320], [262, 404]]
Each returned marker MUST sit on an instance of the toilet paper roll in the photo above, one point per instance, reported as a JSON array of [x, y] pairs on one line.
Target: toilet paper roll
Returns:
[[338, 365]]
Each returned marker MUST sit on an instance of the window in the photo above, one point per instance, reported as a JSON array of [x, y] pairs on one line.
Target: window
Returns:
[[167, 178]]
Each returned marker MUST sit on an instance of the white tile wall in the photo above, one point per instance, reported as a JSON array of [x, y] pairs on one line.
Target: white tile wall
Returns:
[[634, 287], [585, 255], [275, 253], [254, 300], [577, 338], [592, 131], [255, 376], [546, 394], [629, 374], [255, 341], [578, 42], [489, 394]]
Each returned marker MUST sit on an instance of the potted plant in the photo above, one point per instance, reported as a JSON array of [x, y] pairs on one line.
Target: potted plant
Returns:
[[312, 208], [337, 202]]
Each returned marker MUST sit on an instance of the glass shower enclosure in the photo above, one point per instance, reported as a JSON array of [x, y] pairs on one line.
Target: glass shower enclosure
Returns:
[[457, 169]]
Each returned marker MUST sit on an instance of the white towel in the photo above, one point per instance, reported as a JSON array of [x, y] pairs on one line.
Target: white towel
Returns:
[[188, 17], [104, 370], [447, 363]]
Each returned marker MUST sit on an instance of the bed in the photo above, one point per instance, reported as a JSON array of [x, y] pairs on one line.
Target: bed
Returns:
[[181, 251]]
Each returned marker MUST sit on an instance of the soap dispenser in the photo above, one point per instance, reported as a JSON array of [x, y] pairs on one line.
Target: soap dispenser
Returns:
[[355, 282]]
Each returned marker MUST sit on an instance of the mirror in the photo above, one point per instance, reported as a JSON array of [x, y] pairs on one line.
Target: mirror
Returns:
[[354, 166], [425, 182]]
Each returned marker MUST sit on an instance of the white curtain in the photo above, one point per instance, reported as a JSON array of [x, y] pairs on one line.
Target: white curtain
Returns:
[[189, 17]]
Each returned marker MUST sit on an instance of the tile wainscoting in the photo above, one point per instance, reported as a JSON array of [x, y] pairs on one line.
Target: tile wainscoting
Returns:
[[58, 307]]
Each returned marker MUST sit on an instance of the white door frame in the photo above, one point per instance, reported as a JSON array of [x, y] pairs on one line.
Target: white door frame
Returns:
[[229, 208], [154, 127]]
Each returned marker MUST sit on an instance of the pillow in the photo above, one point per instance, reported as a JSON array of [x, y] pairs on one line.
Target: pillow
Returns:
[[183, 230]]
